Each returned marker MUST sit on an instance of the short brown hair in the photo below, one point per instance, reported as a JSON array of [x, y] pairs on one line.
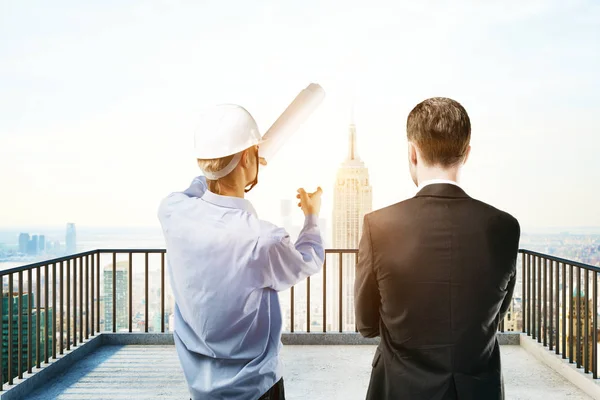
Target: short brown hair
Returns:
[[214, 165], [441, 129]]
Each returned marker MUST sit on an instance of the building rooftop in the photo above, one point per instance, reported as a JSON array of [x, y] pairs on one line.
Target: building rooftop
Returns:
[[311, 372]]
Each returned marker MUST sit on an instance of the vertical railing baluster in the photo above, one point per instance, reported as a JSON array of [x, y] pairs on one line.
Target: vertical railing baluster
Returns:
[[98, 292], [534, 298], [75, 262], [325, 294], [545, 302], [595, 326], [571, 315], [146, 293], [539, 300], [523, 294], [62, 298], [551, 305], [292, 311], [578, 321], [162, 292], [68, 295], [46, 310], [29, 320], [308, 304], [340, 293], [564, 311], [20, 328], [530, 295], [114, 293], [93, 296], [81, 301], [11, 301], [87, 297], [130, 283], [586, 342], [54, 311], [557, 308], [38, 319], [356, 326]]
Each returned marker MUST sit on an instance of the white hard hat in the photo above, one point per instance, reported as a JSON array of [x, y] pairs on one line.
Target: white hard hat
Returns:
[[224, 130]]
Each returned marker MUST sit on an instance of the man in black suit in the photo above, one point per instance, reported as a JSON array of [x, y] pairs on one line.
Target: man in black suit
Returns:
[[436, 273]]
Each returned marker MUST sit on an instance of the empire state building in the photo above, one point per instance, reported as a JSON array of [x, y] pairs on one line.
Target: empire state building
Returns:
[[352, 199]]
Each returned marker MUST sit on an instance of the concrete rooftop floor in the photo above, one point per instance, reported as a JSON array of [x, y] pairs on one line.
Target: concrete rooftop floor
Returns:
[[311, 372]]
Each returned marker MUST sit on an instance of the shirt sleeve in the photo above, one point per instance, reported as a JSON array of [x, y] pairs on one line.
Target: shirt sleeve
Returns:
[[287, 263]]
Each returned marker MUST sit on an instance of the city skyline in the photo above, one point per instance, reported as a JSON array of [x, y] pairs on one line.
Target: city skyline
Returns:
[[133, 76]]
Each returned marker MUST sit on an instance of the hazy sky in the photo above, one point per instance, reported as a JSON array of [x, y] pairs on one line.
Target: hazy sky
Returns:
[[98, 101]]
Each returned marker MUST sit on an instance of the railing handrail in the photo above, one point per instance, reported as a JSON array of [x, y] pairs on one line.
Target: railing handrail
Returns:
[[46, 262], [560, 260], [327, 251]]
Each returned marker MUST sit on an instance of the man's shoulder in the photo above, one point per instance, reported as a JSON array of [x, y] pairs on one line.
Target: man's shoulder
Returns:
[[497, 215]]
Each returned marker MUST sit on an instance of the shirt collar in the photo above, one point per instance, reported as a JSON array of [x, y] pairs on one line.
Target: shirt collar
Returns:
[[435, 181], [229, 202]]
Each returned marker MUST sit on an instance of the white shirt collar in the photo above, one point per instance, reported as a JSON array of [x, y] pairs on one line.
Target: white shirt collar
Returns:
[[435, 181]]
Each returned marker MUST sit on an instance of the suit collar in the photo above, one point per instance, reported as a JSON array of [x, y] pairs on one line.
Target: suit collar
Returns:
[[442, 190]]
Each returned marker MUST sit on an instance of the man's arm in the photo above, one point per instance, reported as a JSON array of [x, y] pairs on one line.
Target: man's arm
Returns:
[[288, 264], [366, 291], [511, 239]]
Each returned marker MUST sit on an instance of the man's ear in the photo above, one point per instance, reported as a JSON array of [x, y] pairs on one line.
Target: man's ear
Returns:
[[412, 153], [467, 154]]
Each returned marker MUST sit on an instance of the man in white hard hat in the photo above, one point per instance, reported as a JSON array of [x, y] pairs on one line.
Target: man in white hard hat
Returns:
[[226, 265]]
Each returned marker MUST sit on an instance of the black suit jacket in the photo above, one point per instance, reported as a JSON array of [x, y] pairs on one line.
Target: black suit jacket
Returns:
[[434, 278]]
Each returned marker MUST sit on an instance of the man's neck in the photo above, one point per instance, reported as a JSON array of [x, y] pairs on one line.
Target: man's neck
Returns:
[[431, 173]]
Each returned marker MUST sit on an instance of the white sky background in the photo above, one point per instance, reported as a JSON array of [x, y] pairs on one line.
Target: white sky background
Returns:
[[98, 101]]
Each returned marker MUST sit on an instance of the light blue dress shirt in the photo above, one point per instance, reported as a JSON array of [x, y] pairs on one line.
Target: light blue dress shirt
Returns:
[[226, 267]]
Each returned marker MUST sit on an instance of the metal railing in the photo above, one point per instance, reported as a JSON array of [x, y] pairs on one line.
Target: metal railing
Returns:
[[567, 326], [58, 303], [33, 330]]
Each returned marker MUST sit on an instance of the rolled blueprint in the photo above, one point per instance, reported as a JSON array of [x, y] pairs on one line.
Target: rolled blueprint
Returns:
[[292, 118]]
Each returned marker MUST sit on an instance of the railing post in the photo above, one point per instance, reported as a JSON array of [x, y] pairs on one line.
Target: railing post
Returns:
[[130, 283], [292, 309], [54, 311], [325, 294], [114, 293], [523, 294], [146, 294], [20, 327], [586, 342], [29, 321], [340, 293], [10, 328], [308, 304], [162, 292], [595, 326]]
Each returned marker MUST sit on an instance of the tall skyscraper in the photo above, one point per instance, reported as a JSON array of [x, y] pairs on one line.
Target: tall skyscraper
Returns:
[[352, 199], [23, 243], [33, 245], [41, 244], [122, 288], [71, 239]]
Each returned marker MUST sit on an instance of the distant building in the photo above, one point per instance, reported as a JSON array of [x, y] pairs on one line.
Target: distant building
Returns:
[[122, 289], [14, 303], [32, 248], [352, 199], [41, 244], [71, 239], [24, 243]]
